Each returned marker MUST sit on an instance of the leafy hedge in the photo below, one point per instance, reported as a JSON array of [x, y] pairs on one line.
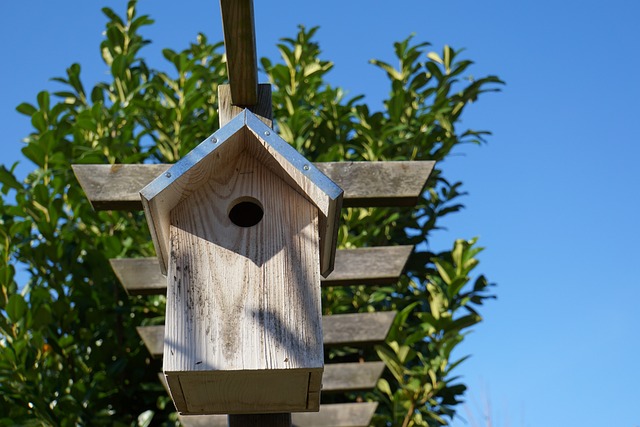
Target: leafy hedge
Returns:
[[69, 353]]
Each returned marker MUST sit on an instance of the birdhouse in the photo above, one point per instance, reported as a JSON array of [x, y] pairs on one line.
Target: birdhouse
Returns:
[[244, 226]]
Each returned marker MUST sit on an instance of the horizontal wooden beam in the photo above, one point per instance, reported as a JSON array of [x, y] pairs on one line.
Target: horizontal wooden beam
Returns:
[[371, 184], [340, 329], [357, 328], [363, 266], [343, 377], [117, 187], [333, 415], [380, 265]]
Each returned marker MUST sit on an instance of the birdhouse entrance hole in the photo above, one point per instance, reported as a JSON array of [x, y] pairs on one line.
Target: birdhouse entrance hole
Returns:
[[246, 212]]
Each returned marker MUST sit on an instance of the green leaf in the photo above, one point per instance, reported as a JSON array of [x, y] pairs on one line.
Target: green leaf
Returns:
[[34, 153], [145, 418], [16, 307], [43, 100], [38, 121], [383, 386], [26, 109], [435, 57], [392, 72], [8, 180], [391, 360]]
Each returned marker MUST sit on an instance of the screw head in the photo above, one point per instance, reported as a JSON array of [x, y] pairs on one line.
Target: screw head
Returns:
[[306, 167], [267, 133], [214, 139], [168, 175]]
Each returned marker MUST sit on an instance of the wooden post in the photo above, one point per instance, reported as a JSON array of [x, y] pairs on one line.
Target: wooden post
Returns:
[[262, 108], [240, 45]]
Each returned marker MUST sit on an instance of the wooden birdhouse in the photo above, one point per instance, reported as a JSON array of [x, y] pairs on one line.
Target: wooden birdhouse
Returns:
[[244, 226]]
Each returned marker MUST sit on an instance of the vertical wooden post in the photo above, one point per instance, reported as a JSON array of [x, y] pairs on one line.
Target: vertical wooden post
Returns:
[[260, 420], [240, 46], [262, 108]]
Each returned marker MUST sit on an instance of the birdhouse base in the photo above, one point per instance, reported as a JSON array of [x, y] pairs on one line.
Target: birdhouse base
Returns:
[[246, 392]]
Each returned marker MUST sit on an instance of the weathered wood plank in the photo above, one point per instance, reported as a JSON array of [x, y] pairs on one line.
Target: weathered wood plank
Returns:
[[240, 46], [381, 265], [337, 415], [263, 108], [339, 329], [342, 377], [368, 184], [275, 331], [333, 415], [363, 266], [117, 187], [357, 328]]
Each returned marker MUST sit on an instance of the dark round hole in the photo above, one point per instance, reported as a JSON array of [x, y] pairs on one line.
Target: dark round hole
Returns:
[[246, 213]]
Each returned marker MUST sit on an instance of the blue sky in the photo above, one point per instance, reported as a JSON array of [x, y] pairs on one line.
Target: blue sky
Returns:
[[553, 195]]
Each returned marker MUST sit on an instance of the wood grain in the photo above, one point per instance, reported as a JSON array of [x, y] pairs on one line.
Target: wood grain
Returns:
[[117, 187], [363, 266], [243, 134], [368, 184], [357, 328], [243, 318], [262, 109], [299, 173], [240, 45], [381, 265], [343, 377], [333, 415], [339, 329]]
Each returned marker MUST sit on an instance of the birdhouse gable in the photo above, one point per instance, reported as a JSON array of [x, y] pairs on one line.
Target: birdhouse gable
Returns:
[[243, 135]]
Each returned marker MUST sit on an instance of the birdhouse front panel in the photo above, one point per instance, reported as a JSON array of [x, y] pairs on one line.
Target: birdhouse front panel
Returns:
[[243, 328]]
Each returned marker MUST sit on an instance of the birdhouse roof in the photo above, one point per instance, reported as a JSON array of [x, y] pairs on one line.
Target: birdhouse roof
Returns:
[[243, 133]]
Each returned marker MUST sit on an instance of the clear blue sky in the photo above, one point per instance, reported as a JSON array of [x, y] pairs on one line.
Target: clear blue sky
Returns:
[[553, 196]]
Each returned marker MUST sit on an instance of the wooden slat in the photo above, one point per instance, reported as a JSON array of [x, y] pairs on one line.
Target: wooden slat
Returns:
[[342, 377], [240, 46], [339, 329], [368, 184], [337, 415], [381, 265], [357, 328], [363, 266], [334, 415], [117, 187]]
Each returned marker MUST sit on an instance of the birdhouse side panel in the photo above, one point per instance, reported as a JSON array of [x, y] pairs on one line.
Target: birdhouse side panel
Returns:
[[243, 297]]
